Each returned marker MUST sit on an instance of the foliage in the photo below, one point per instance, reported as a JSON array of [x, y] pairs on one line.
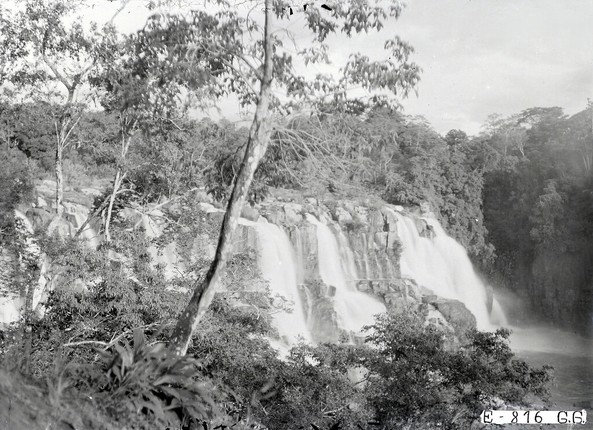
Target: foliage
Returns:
[[413, 378], [314, 389], [221, 174], [98, 295], [31, 129], [538, 210], [17, 187], [146, 378]]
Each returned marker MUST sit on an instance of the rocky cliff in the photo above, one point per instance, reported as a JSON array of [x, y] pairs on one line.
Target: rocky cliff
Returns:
[[333, 263]]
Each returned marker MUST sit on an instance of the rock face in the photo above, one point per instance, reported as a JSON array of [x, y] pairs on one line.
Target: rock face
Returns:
[[337, 263], [369, 247]]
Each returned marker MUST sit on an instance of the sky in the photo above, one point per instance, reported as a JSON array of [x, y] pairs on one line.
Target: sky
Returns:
[[498, 56], [478, 57]]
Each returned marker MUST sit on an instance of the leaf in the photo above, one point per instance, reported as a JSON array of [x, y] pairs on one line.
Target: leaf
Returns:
[[126, 355], [139, 340], [157, 406], [167, 379]]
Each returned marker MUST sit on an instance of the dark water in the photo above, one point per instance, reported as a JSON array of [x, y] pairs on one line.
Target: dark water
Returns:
[[572, 358]]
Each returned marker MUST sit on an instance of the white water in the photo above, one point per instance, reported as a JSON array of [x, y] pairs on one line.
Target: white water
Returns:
[[497, 316], [277, 262], [442, 265], [354, 309]]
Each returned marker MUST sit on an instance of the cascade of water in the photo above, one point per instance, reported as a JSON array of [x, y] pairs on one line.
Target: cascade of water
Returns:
[[277, 264], [354, 309], [497, 316], [442, 265], [297, 240]]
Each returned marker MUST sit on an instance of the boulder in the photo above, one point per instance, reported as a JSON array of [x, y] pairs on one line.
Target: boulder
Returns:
[[273, 214], [363, 286], [92, 192], [250, 213], [456, 314], [47, 188], [61, 228], [379, 287], [41, 202], [342, 216], [292, 213], [361, 214], [130, 215], [40, 218]]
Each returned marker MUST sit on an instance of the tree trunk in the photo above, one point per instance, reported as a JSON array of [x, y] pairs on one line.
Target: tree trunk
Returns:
[[91, 216], [28, 273], [116, 184], [257, 144], [59, 181], [28, 323]]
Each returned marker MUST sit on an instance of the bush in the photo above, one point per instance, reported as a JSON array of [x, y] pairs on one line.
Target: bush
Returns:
[[97, 295], [146, 378], [414, 379]]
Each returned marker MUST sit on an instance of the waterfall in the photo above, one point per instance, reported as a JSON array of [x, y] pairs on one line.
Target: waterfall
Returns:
[[277, 262], [497, 316], [337, 269], [318, 249], [441, 264]]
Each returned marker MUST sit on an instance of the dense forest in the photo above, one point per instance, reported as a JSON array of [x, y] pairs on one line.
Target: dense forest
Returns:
[[136, 348]]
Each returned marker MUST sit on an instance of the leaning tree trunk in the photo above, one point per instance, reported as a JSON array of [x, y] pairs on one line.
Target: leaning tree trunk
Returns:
[[257, 143], [119, 177], [119, 174], [92, 215], [59, 180], [31, 286]]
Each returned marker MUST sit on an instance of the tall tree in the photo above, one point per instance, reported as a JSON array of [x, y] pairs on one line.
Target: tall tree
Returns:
[[243, 52], [48, 55]]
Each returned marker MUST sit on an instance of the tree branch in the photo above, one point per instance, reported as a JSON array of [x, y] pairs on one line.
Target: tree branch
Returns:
[[117, 12], [113, 340]]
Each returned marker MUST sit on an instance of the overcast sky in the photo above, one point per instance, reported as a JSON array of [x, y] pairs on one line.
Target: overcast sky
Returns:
[[498, 56], [482, 56]]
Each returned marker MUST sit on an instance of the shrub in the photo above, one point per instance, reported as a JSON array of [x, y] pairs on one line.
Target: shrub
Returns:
[[146, 378], [414, 379]]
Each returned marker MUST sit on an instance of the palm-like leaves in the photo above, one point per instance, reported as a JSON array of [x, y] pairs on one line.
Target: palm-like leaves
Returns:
[[147, 378]]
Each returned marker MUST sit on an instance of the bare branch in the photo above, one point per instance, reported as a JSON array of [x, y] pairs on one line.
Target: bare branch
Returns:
[[251, 66], [114, 339], [117, 12], [55, 71]]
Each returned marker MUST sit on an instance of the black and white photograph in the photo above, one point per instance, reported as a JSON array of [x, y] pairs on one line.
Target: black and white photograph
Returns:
[[296, 214]]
